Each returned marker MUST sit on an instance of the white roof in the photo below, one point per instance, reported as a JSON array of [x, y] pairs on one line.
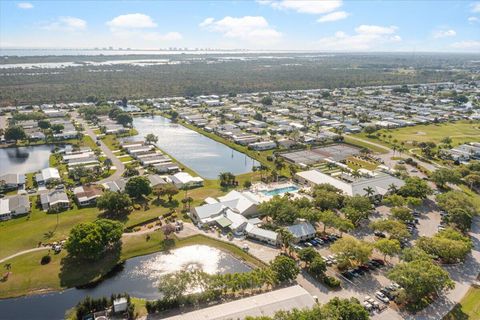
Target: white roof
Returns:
[[379, 182], [185, 177], [302, 229], [50, 173], [262, 233], [294, 297], [4, 206]]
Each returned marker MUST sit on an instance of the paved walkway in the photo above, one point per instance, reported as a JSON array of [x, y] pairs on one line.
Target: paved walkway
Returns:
[[23, 252], [120, 167]]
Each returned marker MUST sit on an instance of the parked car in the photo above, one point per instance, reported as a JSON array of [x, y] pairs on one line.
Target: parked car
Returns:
[[380, 234], [379, 261], [320, 241], [382, 297]]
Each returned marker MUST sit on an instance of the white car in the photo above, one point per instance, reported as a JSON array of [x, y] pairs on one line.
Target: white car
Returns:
[[367, 306], [381, 297]]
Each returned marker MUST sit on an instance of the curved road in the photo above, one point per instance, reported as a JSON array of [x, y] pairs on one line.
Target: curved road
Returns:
[[120, 167]]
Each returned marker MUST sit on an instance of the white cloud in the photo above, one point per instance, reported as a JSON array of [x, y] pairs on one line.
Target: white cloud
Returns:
[[475, 7], [206, 22], [367, 37], [444, 33], [334, 16], [302, 6], [473, 19], [375, 30], [248, 28], [131, 21], [66, 24], [467, 45], [25, 5]]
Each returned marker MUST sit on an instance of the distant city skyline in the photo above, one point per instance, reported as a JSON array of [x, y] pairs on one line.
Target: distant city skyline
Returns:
[[324, 25]]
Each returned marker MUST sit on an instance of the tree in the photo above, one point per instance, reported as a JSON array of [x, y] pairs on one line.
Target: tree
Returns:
[[124, 119], [151, 138], [280, 209], [57, 127], [307, 255], [420, 279], [90, 240], [328, 218], [353, 215], [115, 204], [138, 187], [359, 203], [285, 237], [285, 268], [459, 207], [473, 180], [267, 101], [108, 164], [168, 229], [168, 190], [402, 214], [344, 309], [449, 245], [394, 200], [414, 253], [442, 176], [247, 184], [15, 133], [388, 247], [396, 229], [415, 187], [317, 266], [43, 124], [351, 252], [327, 197]]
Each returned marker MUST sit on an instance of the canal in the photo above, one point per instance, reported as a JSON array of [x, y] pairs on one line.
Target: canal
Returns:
[[138, 277], [205, 156]]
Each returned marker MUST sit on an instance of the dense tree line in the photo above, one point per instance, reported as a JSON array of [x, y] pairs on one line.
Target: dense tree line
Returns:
[[69, 84]]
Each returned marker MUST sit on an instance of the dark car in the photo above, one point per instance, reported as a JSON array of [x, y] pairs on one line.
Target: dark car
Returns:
[[364, 268], [380, 234], [372, 265], [347, 275], [379, 261]]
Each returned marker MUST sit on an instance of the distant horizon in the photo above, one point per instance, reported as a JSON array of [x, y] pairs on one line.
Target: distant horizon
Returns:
[[271, 25]]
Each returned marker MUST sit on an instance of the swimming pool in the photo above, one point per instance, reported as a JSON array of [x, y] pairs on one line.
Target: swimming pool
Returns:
[[278, 191]]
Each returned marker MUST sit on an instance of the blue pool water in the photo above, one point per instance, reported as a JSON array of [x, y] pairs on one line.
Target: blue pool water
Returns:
[[278, 191]]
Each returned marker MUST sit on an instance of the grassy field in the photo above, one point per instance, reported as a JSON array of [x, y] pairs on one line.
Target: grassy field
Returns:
[[460, 132], [362, 144], [468, 308]]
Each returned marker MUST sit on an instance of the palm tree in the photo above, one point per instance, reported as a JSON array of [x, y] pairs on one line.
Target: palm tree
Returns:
[[370, 191], [285, 237], [392, 188], [356, 174]]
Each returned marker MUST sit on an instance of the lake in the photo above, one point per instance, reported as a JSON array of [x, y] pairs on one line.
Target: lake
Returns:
[[205, 156], [138, 277], [25, 159]]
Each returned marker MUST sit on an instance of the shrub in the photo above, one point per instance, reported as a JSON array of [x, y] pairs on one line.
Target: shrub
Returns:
[[46, 259], [331, 282]]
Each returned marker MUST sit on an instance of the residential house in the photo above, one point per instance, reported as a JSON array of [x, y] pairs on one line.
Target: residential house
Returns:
[[55, 200], [87, 195]]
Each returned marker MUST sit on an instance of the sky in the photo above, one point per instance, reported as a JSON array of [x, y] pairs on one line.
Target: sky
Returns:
[[322, 25]]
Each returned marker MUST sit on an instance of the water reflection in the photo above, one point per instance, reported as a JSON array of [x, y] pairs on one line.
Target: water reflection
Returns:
[[25, 159], [139, 277], [203, 155]]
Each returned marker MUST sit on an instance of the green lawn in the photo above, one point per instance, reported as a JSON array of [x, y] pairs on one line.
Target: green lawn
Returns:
[[468, 308], [366, 145], [460, 132]]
